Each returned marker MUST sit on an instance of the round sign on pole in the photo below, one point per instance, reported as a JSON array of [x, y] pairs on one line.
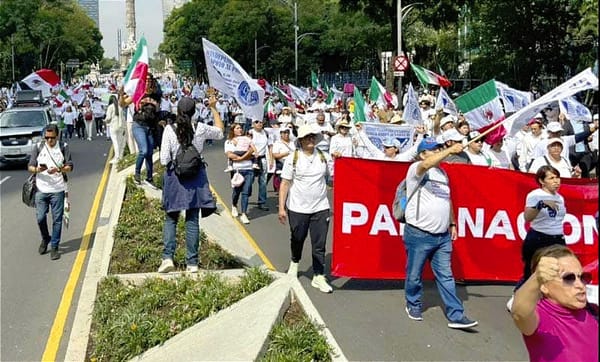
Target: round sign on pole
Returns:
[[400, 63]]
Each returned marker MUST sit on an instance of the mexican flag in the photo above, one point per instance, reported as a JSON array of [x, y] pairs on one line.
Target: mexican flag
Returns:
[[481, 106], [61, 98], [285, 99], [135, 79], [428, 77], [43, 80], [269, 110], [316, 85], [380, 95], [362, 113]]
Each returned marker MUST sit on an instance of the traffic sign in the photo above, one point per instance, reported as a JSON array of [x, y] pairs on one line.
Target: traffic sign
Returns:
[[398, 74], [400, 63]]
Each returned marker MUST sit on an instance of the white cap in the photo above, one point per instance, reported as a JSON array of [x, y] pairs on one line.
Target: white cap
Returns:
[[554, 127], [452, 135]]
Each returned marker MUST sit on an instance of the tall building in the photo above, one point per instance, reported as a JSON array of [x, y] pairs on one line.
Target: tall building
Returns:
[[91, 8], [169, 5]]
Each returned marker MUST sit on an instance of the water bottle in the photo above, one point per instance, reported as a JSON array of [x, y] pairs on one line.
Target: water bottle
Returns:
[[66, 210]]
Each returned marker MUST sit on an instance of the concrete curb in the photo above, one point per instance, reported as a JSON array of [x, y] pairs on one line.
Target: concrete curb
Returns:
[[223, 336]]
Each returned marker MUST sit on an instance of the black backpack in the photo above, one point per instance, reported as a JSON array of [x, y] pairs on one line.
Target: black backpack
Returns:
[[187, 162]]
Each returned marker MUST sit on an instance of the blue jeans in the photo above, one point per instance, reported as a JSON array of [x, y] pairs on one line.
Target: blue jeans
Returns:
[[145, 142], [55, 203], [192, 235], [262, 181], [437, 248], [244, 190]]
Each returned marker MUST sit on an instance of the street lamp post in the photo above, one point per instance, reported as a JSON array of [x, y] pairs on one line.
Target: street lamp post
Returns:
[[296, 42], [256, 50], [401, 13]]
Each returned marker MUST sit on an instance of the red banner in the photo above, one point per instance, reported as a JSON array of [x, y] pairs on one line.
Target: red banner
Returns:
[[488, 204]]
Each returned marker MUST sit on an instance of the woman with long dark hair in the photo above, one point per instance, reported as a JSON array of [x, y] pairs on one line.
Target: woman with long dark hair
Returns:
[[190, 194]]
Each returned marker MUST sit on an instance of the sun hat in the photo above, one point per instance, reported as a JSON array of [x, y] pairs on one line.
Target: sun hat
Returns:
[[427, 144], [307, 129], [554, 127], [447, 119], [554, 140], [342, 123], [391, 142], [452, 135]]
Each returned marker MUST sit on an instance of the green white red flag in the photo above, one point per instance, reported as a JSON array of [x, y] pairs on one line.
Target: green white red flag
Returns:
[[426, 76], [380, 95], [61, 97], [135, 79], [481, 106]]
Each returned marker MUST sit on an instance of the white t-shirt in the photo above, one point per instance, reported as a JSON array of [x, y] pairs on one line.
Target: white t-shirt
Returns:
[[230, 147], [544, 222], [434, 196], [46, 182], [261, 142], [69, 118], [308, 190], [341, 144], [499, 159], [282, 147], [563, 166], [481, 158]]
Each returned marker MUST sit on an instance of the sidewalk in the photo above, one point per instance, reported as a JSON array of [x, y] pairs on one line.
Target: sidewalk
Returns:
[[237, 333]]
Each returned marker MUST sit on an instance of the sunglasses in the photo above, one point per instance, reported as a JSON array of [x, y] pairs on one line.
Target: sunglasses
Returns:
[[569, 278], [257, 121], [50, 138], [479, 141]]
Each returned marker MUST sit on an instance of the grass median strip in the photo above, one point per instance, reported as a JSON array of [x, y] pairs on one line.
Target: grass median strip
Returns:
[[297, 339], [138, 241], [129, 320]]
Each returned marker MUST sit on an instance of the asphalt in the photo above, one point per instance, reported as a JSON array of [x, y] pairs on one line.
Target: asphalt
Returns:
[[237, 333]]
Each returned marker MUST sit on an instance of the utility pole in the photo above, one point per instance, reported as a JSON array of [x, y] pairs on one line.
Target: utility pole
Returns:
[[296, 41], [12, 50], [399, 46]]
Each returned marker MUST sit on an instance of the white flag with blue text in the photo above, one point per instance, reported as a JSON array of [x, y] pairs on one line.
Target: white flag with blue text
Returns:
[[445, 103], [412, 111], [574, 110], [226, 75]]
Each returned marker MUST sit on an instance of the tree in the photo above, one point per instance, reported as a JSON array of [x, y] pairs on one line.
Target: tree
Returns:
[[44, 34]]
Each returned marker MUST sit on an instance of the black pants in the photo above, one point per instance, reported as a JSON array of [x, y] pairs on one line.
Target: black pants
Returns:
[[534, 241], [318, 225]]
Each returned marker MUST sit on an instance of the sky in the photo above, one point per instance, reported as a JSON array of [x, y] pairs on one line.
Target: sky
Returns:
[[149, 23]]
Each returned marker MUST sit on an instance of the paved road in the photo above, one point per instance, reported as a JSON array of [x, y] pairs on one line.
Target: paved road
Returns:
[[31, 284], [367, 317]]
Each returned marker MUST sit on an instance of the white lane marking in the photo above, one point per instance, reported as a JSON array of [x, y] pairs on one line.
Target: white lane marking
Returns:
[[4, 179]]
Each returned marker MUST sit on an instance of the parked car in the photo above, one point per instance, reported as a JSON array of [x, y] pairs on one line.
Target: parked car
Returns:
[[21, 127]]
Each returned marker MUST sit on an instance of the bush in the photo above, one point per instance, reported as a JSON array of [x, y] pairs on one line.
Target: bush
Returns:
[[129, 320]]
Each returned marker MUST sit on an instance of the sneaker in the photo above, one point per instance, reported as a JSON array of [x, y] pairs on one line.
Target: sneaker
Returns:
[[137, 179], [464, 323], [54, 255], [320, 283], [414, 314], [89, 138], [293, 269], [166, 266], [228, 169], [234, 211], [244, 219], [263, 207], [192, 269], [43, 247], [510, 303]]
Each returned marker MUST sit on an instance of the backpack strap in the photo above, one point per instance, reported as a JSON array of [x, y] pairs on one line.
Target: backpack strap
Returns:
[[418, 188]]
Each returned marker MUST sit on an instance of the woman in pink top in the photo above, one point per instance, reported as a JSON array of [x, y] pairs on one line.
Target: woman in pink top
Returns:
[[550, 309]]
